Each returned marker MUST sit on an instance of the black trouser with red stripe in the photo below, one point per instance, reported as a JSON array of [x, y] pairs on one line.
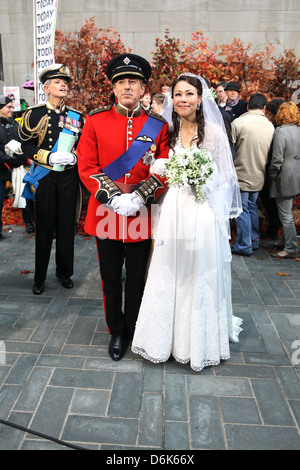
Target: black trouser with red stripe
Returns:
[[55, 211], [112, 255]]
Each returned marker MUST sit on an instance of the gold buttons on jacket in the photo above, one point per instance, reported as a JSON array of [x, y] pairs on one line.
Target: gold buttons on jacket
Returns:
[[129, 131]]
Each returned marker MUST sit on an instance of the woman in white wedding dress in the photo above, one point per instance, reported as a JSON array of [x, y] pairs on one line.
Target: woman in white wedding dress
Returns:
[[186, 310]]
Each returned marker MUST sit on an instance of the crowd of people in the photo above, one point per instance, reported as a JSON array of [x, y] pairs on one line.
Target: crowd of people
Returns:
[[177, 298]]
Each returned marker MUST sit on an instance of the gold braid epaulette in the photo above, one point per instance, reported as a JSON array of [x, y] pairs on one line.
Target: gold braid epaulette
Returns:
[[39, 131], [100, 110], [156, 116]]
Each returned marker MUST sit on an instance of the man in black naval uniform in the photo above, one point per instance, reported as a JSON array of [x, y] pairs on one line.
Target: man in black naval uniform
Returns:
[[54, 179]]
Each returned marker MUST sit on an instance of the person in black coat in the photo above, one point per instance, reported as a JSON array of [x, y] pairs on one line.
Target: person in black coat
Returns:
[[8, 132], [234, 104], [227, 122]]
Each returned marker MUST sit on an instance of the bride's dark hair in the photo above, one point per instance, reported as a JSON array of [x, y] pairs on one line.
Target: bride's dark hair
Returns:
[[195, 82]]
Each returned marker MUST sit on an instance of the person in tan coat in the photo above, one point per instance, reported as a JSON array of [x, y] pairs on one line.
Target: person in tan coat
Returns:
[[252, 135]]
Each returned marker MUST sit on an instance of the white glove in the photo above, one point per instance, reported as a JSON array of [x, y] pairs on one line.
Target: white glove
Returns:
[[123, 205], [137, 201], [62, 158], [114, 202], [13, 146]]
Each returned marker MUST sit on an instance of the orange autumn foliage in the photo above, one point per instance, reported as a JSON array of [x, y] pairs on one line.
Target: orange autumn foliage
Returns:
[[173, 57], [255, 71], [88, 51]]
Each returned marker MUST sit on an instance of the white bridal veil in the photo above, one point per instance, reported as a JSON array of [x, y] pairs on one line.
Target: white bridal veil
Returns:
[[222, 190]]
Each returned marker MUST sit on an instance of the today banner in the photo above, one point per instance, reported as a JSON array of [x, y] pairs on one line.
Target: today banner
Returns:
[[45, 12]]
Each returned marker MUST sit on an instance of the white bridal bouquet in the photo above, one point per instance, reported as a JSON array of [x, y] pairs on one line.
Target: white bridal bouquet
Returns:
[[190, 167]]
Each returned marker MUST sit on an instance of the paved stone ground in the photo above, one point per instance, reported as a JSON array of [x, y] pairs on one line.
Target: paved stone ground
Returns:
[[57, 378]]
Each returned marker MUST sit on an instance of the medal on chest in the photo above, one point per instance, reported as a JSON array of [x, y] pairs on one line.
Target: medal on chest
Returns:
[[71, 124], [148, 158]]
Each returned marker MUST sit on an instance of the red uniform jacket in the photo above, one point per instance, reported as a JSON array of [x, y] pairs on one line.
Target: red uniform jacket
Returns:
[[106, 135]]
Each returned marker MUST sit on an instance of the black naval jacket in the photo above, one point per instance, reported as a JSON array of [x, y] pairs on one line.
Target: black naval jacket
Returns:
[[41, 128], [9, 131], [237, 110]]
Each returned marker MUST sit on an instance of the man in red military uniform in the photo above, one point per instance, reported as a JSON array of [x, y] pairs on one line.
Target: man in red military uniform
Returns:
[[117, 146]]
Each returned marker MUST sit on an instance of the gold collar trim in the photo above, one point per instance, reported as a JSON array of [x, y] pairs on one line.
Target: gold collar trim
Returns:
[[57, 109], [123, 111]]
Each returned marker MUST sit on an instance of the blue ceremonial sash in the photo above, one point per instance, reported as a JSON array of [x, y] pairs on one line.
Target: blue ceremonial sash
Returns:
[[31, 181], [32, 178], [137, 149]]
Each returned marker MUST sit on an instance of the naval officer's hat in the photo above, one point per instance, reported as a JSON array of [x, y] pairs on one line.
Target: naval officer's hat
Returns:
[[128, 64], [55, 71]]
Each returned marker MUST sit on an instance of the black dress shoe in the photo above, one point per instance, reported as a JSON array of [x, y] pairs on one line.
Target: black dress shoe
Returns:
[[38, 289], [66, 282], [29, 228], [117, 347], [1, 236]]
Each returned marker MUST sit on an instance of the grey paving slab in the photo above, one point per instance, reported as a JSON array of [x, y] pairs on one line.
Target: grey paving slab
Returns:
[[33, 390], [90, 402], [21, 370], [97, 430], [50, 420], [12, 438], [175, 402], [240, 410], [58, 378], [177, 435], [127, 385], [261, 438], [206, 423], [275, 410], [82, 379], [151, 426]]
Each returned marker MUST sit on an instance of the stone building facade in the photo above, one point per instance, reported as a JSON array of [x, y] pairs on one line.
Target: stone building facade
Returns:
[[140, 22]]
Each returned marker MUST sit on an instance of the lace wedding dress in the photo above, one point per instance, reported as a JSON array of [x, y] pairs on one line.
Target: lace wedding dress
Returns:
[[186, 308]]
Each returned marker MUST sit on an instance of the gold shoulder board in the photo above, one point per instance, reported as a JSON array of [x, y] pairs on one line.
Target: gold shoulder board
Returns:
[[100, 110]]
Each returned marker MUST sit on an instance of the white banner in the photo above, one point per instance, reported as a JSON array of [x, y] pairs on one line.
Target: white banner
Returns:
[[45, 12], [13, 92]]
